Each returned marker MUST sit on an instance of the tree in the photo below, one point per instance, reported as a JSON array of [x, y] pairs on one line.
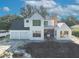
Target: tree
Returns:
[[43, 11], [70, 20], [6, 21], [29, 10]]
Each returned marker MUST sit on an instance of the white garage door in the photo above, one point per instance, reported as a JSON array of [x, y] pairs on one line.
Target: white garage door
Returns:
[[24, 35], [19, 35], [15, 35]]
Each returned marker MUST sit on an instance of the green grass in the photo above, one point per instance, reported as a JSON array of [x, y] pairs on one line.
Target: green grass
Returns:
[[75, 29]]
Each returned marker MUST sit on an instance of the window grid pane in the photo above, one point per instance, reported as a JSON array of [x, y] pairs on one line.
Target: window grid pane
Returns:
[[37, 34], [45, 23], [36, 23]]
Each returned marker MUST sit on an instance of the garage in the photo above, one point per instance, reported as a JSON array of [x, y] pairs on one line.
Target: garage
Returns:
[[19, 34], [24, 35]]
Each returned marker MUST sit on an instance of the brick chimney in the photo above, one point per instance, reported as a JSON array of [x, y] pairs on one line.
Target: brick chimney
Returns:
[[54, 20]]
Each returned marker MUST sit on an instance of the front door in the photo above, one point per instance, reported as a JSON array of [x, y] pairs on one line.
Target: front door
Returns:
[[49, 34]]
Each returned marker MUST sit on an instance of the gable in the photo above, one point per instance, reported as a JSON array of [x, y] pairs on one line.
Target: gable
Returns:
[[63, 26], [37, 16]]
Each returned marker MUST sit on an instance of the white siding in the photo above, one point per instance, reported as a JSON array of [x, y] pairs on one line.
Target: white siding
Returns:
[[63, 28], [37, 28], [22, 34], [27, 24], [19, 34], [28, 34], [50, 24]]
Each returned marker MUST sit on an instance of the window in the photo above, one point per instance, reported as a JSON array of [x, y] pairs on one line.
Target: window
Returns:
[[36, 22], [37, 34], [61, 34], [27, 21], [27, 28], [45, 23], [65, 32]]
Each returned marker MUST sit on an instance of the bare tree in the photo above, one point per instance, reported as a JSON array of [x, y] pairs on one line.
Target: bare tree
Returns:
[[29, 10]]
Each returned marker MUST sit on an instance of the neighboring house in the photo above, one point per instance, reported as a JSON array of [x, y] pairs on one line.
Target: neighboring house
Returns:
[[36, 28]]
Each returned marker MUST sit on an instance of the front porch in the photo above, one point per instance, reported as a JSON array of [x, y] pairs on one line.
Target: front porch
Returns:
[[48, 34]]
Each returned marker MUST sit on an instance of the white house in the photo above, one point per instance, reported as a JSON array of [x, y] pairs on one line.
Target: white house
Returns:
[[29, 28], [35, 28], [62, 32]]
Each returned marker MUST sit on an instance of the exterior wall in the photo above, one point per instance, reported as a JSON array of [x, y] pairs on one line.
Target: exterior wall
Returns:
[[27, 24], [20, 34], [24, 34], [62, 38], [28, 34], [37, 28], [50, 24], [63, 28]]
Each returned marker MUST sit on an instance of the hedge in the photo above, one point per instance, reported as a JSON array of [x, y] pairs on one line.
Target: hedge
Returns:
[[75, 33]]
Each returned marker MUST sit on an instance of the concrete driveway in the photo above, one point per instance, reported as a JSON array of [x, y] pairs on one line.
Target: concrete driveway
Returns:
[[75, 39], [16, 43]]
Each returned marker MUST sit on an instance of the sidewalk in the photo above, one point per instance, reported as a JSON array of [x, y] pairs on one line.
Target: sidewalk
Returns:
[[75, 39]]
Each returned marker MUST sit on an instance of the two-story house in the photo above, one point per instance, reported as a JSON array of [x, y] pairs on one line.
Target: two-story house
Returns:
[[36, 28]]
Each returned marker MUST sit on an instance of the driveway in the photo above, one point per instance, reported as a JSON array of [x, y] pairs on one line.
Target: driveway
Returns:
[[16, 43]]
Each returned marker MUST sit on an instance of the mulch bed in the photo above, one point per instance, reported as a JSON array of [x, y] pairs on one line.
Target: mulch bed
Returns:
[[52, 50]]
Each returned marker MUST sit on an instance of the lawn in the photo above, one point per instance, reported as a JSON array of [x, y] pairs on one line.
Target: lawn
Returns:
[[75, 29], [52, 50]]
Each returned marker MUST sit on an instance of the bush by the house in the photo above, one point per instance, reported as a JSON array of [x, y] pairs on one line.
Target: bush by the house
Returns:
[[75, 33]]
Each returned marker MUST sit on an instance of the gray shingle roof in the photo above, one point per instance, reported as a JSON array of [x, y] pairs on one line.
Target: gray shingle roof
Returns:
[[18, 25]]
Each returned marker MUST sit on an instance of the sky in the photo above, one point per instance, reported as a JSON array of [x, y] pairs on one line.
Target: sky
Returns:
[[59, 7]]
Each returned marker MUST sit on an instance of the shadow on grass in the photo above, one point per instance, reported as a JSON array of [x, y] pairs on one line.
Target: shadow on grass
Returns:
[[52, 49]]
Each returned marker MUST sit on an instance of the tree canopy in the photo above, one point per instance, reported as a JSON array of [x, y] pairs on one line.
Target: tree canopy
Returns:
[[29, 10], [5, 21], [70, 20]]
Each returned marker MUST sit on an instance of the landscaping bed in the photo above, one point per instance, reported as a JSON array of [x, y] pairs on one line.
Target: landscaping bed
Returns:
[[52, 50]]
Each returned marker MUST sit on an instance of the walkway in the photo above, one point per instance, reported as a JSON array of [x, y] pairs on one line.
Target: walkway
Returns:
[[75, 39]]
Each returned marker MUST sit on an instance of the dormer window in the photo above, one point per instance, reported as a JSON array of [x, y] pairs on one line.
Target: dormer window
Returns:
[[27, 21]]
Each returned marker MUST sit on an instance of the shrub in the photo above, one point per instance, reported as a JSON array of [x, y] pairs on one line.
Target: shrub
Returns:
[[75, 33]]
